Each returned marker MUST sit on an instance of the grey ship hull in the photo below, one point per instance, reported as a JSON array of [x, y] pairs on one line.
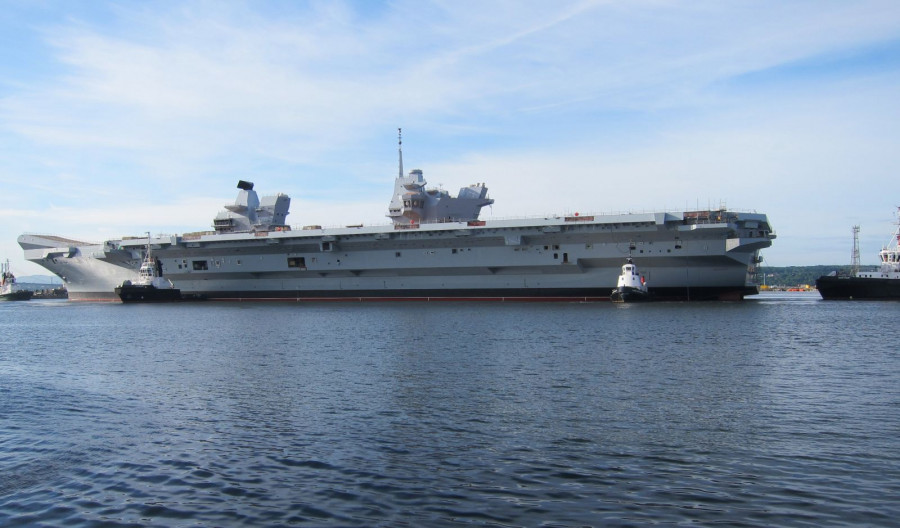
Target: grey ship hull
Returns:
[[685, 256]]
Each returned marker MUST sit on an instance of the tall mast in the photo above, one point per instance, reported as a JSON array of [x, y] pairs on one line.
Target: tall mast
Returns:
[[854, 257], [400, 149], [897, 234]]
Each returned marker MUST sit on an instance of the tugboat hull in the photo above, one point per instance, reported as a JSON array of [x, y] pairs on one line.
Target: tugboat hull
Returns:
[[627, 294], [136, 293], [858, 288], [19, 295]]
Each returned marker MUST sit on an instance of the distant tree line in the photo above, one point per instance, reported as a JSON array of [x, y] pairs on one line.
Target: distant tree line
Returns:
[[797, 275]]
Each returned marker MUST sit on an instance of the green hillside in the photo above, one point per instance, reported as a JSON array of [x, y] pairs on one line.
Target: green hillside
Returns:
[[798, 275]]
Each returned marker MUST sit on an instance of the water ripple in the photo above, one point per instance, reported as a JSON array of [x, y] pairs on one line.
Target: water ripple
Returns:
[[743, 414]]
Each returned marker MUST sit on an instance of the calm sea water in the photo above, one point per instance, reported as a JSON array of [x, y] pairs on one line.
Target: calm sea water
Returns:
[[778, 411]]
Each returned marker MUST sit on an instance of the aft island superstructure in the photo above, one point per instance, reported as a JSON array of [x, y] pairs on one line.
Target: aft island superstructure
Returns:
[[436, 248]]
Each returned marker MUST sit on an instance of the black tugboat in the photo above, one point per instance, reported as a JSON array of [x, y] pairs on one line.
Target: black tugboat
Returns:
[[9, 290], [883, 284], [151, 286], [631, 286]]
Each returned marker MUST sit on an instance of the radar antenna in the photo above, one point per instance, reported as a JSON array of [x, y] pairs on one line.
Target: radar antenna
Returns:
[[854, 256], [400, 148]]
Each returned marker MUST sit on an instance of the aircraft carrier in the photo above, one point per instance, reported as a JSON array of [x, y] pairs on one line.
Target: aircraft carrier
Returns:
[[435, 248]]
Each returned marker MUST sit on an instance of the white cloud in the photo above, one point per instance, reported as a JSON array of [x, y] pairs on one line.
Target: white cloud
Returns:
[[558, 107], [321, 78]]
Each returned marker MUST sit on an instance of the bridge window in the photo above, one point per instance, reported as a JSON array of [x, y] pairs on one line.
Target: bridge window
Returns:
[[200, 265]]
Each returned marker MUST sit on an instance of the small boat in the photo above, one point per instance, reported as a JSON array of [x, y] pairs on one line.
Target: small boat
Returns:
[[9, 290], [632, 287], [883, 284], [150, 286]]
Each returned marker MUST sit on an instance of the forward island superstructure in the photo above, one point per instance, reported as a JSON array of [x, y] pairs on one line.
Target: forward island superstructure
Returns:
[[436, 248]]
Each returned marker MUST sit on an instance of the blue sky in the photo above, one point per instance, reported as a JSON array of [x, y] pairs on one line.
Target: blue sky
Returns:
[[118, 118]]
